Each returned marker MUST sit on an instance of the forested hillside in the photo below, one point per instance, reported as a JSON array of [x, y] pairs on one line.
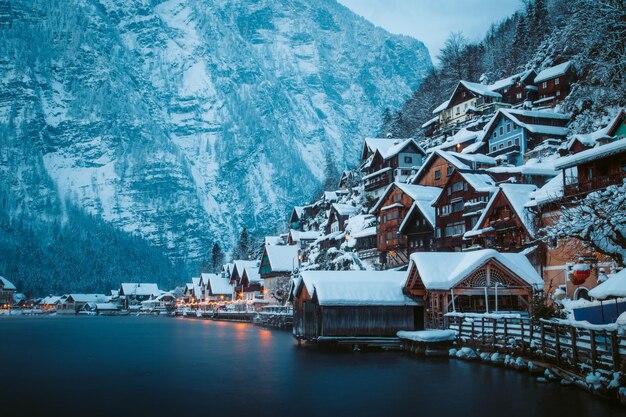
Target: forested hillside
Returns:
[[590, 33]]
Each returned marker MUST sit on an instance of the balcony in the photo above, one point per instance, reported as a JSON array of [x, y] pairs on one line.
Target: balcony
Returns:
[[597, 183], [505, 150]]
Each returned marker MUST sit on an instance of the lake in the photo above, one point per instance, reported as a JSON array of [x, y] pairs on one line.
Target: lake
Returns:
[[162, 366]]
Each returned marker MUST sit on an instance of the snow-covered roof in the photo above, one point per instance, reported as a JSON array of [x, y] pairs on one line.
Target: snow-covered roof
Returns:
[[330, 196], [219, 285], [517, 195], [273, 240], [397, 148], [376, 173], [107, 306], [509, 81], [599, 152], [538, 169], [89, 298], [358, 223], [370, 231], [441, 107], [458, 138], [282, 258], [50, 300], [482, 183], [430, 122], [141, 289], [512, 114], [297, 235], [480, 89], [551, 191], [356, 288], [553, 72], [615, 286], [7, 285], [241, 264], [345, 209], [299, 211], [540, 114], [444, 270], [424, 194], [253, 274]]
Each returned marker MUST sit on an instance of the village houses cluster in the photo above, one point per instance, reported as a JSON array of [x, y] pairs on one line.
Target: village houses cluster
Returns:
[[417, 232]]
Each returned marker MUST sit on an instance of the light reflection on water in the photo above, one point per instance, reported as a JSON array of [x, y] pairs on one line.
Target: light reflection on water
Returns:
[[169, 367]]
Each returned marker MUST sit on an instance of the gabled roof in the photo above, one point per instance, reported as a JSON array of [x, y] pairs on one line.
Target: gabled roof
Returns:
[[297, 235], [553, 72], [509, 81], [282, 258], [423, 206], [7, 285], [345, 209], [415, 192], [441, 107], [512, 114], [273, 240], [89, 298], [517, 195], [355, 288], [298, 210], [219, 285], [253, 274], [551, 191], [141, 289], [599, 152], [399, 147], [458, 138], [482, 183], [460, 161], [444, 270]]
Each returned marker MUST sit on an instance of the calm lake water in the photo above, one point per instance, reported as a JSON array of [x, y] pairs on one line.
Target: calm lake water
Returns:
[[154, 366]]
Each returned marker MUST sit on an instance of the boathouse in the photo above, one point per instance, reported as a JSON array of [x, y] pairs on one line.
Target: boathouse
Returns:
[[352, 306], [482, 281]]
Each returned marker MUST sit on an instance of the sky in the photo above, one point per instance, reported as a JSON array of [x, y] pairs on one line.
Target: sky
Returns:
[[431, 21]]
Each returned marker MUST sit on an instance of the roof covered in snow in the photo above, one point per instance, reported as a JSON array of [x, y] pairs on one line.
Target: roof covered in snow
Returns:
[[7, 285], [421, 193], [553, 72], [356, 288], [482, 183], [140, 289], [241, 264], [297, 235], [599, 152], [282, 258], [444, 270], [89, 298], [219, 285], [615, 286], [480, 89], [345, 209], [273, 240]]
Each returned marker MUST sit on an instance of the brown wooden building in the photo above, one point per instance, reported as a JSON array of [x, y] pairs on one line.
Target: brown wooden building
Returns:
[[391, 209], [440, 165], [353, 306], [506, 225], [554, 84], [459, 207], [480, 281]]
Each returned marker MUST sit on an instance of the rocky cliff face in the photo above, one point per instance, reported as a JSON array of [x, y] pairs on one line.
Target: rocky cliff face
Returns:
[[182, 121]]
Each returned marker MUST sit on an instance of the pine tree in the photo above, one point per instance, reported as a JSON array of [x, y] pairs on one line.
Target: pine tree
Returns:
[[217, 257], [243, 248]]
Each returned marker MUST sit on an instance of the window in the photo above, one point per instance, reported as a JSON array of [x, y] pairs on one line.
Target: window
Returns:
[[556, 81], [474, 221], [518, 96], [437, 174], [457, 186], [501, 146], [545, 84], [465, 186], [508, 127], [408, 159], [558, 93], [515, 127], [501, 130], [465, 106], [517, 141], [384, 219], [457, 205], [449, 191], [493, 148], [495, 134], [449, 170], [396, 198], [509, 143], [455, 229], [438, 232]]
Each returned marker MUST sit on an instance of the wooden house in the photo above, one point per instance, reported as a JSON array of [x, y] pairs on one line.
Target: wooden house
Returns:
[[594, 169], [335, 225], [7, 289], [251, 283], [440, 165], [74, 302], [218, 288], [353, 306], [505, 224], [303, 239], [418, 226], [536, 174], [554, 84], [296, 217], [467, 100], [389, 160], [480, 281], [513, 133], [277, 265], [392, 209], [459, 206], [132, 293]]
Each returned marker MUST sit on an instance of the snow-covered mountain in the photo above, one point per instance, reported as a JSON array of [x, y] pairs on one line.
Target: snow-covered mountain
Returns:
[[184, 120]]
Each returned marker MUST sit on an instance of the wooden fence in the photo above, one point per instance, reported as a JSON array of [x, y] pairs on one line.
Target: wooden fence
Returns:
[[576, 348]]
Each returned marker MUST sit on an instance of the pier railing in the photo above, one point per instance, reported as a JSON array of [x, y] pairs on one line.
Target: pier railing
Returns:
[[579, 348]]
